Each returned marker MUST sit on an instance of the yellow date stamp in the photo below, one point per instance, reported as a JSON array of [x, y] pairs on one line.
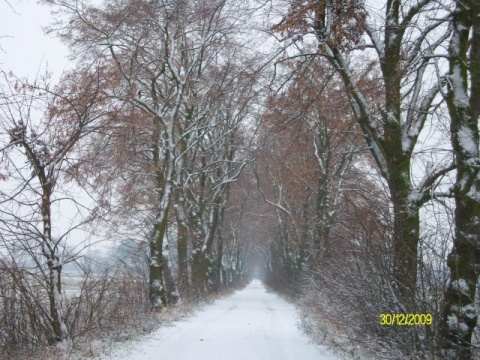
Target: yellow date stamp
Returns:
[[406, 319]]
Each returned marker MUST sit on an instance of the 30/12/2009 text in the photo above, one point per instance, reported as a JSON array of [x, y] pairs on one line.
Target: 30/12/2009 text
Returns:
[[406, 319]]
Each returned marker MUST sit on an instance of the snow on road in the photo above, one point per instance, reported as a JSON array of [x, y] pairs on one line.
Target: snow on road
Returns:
[[249, 325]]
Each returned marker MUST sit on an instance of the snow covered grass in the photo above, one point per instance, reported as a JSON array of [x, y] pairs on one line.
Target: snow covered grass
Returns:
[[324, 331], [341, 310]]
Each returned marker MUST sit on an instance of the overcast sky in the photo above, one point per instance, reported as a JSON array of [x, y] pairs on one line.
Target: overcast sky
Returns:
[[25, 47]]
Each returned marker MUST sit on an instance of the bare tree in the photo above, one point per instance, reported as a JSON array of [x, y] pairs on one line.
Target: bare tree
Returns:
[[213, 165], [391, 124], [173, 62], [306, 166], [40, 126]]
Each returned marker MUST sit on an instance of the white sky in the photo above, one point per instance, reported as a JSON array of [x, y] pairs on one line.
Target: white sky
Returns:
[[25, 47]]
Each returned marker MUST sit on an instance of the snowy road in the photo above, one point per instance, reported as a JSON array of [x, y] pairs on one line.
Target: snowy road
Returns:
[[249, 325]]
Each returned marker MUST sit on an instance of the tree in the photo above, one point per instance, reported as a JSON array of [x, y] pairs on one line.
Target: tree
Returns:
[[306, 166], [463, 100], [40, 126], [174, 64], [212, 166], [402, 53]]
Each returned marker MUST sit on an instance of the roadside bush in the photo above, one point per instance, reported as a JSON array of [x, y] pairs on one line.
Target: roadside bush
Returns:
[[344, 296], [108, 306]]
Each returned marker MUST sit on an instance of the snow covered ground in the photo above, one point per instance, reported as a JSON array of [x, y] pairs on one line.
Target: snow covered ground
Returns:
[[249, 325]]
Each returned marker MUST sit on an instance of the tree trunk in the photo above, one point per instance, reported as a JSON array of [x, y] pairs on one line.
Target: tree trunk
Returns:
[[460, 315], [59, 327], [54, 281], [170, 286], [157, 296], [163, 182], [406, 236], [217, 268], [182, 253], [323, 224], [202, 264], [406, 218], [199, 273]]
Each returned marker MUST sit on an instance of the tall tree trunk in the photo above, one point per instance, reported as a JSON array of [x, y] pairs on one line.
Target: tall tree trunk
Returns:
[[199, 272], [170, 285], [182, 253], [215, 258], [406, 218], [163, 181], [460, 315], [218, 267], [54, 281], [183, 232], [203, 254], [322, 227], [406, 224], [158, 299]]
